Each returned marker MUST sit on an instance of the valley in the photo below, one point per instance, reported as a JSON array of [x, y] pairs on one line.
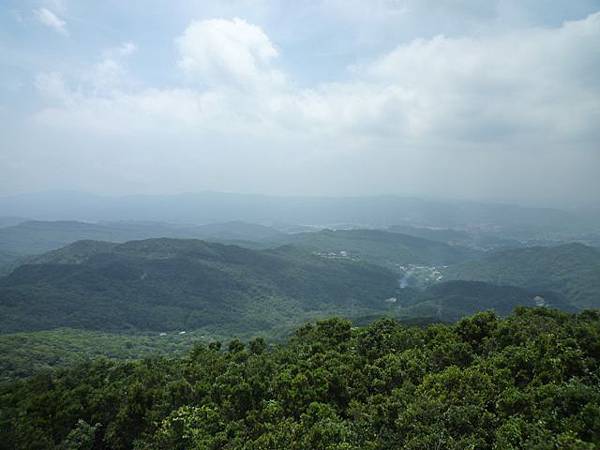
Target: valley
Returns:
[[73, 280]]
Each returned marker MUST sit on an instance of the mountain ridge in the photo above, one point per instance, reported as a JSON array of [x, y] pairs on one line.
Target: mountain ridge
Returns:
[[572, 269], [163, 284]]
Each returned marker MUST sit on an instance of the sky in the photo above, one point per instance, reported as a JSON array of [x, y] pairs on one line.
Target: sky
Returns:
[[468, 99]]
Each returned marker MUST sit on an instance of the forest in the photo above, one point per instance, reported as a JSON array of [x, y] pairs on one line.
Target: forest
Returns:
[[303, 225], [529, 380]]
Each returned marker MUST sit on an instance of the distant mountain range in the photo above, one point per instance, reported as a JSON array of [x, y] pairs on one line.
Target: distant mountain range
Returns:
[[374, 246], [34, 237], [173, 284], [380, 247], [209, 207], [475, 239], [246, 264]]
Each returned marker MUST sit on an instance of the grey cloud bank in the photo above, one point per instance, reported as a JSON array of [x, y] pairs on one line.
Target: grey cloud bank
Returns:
[[498, 112]]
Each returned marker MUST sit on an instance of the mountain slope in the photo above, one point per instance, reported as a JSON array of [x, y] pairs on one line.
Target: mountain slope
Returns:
[[166, 284], [452, 300], [380, 247], [572, 270], [473, 238], [35, 237]]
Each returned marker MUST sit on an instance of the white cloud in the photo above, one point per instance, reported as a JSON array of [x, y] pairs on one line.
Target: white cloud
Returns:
[[502, 86], [111, 75], [127, 48], [435, 90], [422, 108], [107, 76], [51, 20], [124, 50], [220, 51], [52, 87]]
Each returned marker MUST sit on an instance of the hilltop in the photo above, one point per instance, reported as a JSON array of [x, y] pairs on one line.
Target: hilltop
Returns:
[[380, 247], [164, 284]]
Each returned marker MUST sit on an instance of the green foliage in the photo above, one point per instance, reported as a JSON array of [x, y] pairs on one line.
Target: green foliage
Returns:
[[36, 237], [452, 300], [81, 437], [530, 380], [571, 269], [24, 354], [380, 247], [168, 284]]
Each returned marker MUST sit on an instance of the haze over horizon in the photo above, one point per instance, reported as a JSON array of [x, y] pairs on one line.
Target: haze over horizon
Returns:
[[66, 195], [495, 100]]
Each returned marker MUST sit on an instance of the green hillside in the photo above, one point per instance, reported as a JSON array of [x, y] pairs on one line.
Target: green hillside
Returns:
[[167, 284], [572, 270], [35, 237], [380, 247], [472, 239], [7, 260], [25, 354], [528, 381], [452, 300]]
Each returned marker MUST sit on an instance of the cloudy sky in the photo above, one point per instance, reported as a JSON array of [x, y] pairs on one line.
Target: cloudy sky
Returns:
[[451, 98]]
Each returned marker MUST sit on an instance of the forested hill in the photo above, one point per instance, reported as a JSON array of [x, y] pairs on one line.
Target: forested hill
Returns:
[[34, 237], [529, 381], [451, 300], [381, 247], [571, 269], [172, 284]]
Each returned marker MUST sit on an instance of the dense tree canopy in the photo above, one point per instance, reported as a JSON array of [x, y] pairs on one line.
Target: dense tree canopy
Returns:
[[572, 270], [528, 381], [172, 284]]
